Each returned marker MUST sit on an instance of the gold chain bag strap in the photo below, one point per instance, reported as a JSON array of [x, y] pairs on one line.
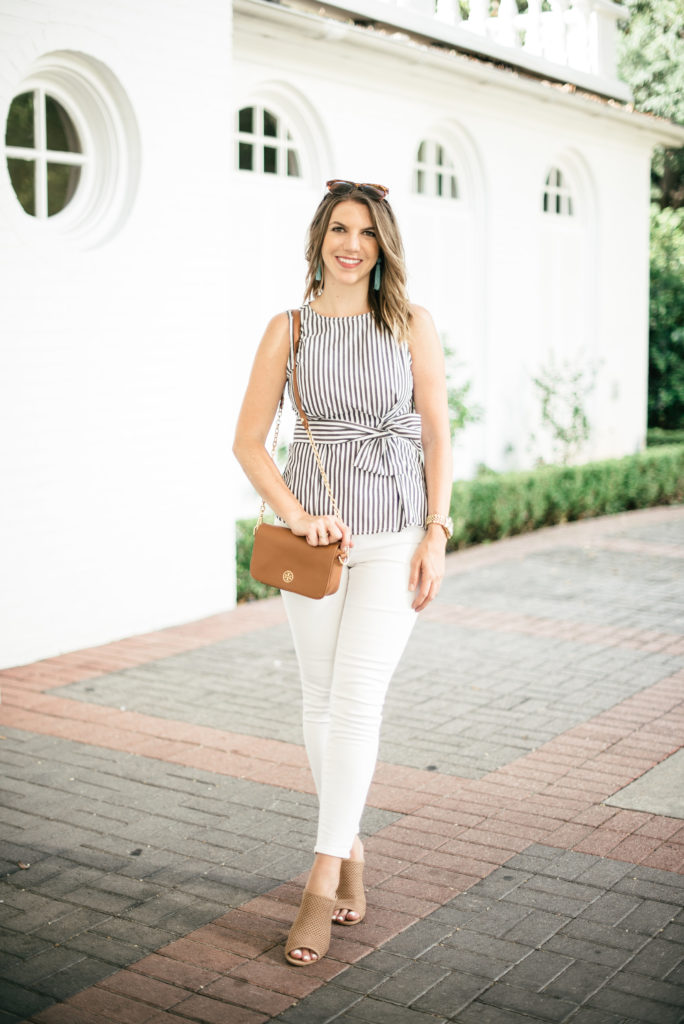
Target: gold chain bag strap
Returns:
[[279, 557]]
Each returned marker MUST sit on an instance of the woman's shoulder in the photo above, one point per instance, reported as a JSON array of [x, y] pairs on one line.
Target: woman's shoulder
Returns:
[[276, 337], [420, 316], [278, 326], [279, 321], [422, 326]]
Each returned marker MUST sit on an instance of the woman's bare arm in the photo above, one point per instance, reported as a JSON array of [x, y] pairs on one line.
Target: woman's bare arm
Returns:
[[430, 397], [259, 405]]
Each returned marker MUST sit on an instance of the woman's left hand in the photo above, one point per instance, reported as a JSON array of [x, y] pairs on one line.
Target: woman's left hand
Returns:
[[427, 570]]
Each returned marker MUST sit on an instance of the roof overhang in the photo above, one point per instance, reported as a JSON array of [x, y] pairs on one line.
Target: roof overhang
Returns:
[[263, 17]]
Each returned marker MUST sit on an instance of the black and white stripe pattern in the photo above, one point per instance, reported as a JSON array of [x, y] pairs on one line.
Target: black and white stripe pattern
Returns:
[[356, 389]]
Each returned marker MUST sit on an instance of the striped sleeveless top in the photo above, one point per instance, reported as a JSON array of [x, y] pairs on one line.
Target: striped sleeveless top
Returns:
[[356, 388]]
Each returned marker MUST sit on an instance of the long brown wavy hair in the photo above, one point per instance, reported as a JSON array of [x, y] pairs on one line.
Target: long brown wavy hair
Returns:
[[389, 305]]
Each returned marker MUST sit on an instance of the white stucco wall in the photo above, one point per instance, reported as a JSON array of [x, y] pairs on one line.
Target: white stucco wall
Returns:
[[116, 360]]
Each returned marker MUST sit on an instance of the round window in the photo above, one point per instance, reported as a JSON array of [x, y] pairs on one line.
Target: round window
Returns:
[[44, 153], [72, 149]]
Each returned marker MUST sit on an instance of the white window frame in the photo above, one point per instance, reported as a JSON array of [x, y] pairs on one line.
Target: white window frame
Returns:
[[558, 197], [283, 142], [41, 156], [437, 165], [110, 160]]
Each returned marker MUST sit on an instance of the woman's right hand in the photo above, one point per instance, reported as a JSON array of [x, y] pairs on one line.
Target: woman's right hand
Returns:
[[321, 530]]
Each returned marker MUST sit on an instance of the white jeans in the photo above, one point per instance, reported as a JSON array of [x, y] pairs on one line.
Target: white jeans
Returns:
[[348, 646]]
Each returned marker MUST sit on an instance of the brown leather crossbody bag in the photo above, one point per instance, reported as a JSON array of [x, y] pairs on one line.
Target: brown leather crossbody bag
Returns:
[[279, 557]]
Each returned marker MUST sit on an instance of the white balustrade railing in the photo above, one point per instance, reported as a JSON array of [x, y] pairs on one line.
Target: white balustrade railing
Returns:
[[569, 40]]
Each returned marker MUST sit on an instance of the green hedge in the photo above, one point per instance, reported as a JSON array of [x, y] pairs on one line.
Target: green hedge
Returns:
[[494, 506], [248, 589], [499, 505], [657, 436]]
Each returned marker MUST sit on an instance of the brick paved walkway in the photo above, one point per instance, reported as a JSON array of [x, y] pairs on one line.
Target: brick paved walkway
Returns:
[[157, 813]]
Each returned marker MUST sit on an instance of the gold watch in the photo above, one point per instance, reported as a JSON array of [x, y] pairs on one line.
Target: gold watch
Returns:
[[446, 522]]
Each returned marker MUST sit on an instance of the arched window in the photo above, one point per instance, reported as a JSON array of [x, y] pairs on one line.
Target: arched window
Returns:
[[264, 144], [44, 153], [434, 173], [72, 149], [566, 289], [557, 194]]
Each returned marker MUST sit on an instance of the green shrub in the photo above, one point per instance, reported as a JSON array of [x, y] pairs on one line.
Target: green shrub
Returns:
[[496, 505], [656, 436], [248, 589], [666, 320]]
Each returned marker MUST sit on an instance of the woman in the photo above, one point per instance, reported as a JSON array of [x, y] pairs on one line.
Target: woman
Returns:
[[370, 373]]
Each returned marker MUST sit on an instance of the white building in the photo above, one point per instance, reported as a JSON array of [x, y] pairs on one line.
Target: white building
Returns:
[[162, 161]]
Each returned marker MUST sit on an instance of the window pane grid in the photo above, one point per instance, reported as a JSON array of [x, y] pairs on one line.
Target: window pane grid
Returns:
[[264, 144], [55, 156], [293, 170], [557, 199], [23, 177], [46, 170], [62, 182], [20, 130], [60, 133], [245, 156], [434, 174], [246, 120]]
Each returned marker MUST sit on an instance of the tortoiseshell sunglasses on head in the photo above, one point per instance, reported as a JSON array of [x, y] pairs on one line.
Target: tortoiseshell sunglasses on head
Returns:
[[341, 187]]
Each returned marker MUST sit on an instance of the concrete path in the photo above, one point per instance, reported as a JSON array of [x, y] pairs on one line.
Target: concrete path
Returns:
[[157, 812]]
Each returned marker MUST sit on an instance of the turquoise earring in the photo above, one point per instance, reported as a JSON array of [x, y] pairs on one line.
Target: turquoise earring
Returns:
[[319, 272], [378, 276]]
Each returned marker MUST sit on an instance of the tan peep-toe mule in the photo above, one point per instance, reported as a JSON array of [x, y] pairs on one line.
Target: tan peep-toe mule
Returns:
[[350, 892], [311, 928]]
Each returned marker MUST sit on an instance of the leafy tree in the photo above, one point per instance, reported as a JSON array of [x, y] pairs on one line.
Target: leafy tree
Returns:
[[651, 60], [666, 348]]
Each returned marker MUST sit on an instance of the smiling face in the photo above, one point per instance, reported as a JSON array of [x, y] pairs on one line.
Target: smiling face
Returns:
[[350, 249]]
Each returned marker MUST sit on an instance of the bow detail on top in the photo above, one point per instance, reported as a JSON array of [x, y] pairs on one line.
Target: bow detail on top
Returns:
[[386, 449]]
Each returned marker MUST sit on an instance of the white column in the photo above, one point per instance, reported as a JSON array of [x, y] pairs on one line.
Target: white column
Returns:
[[578, 34], [603, 38], [424, 7], [532, 25], [448, 11], [477, 18], [505, 31], [554, 37]]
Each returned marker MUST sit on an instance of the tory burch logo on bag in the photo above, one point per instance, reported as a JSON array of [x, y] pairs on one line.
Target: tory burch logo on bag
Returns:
[[288, 576]]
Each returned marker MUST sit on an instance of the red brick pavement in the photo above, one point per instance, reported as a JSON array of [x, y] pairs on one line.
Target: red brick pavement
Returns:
[[452, 833]]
